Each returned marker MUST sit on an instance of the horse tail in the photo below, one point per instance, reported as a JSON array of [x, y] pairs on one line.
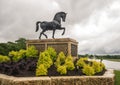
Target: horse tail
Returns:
[[37, 25]]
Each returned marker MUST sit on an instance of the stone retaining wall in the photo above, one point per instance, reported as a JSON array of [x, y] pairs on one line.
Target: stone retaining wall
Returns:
[[106, 79]]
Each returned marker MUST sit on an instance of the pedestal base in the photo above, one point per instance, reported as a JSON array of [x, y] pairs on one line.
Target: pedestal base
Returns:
[[67, 45]]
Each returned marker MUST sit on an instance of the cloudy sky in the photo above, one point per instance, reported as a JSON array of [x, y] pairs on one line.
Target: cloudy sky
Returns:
[[95, 24]]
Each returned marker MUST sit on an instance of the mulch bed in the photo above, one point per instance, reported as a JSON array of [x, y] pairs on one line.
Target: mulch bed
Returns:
[[27, 68]]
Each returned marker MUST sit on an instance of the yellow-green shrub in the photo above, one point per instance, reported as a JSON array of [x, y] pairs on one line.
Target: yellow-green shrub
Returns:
[[31, 52], [81, 62], [88, 70], [102, 66], [17, 55], [4, 59], [62, 69], [52, 53], [41, 70], [45, 59], [69, 63], [60, 59], [96, 66]]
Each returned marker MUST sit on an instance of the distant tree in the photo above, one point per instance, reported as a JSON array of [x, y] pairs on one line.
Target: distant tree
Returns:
[[5, 48]]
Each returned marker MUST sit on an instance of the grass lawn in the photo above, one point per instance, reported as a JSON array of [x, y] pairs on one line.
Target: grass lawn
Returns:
[[117, 60], [117, 77]]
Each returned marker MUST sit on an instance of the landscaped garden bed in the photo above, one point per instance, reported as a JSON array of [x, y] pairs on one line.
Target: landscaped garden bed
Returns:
[[26, 63]]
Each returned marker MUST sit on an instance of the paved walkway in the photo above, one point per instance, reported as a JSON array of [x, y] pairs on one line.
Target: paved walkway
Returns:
[[111, 64]]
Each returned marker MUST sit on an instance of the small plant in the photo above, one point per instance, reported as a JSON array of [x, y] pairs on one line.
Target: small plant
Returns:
[[96, 66], [4, 59], [62, 69], [17, 55], [52, 53], [81, 62], [88, 70], [45, 59], [41, 70], [69, 63], [31, 52], [60, 59]]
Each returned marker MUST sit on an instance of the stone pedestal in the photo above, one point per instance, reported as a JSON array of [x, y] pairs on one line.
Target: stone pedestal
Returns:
[[67, 45]]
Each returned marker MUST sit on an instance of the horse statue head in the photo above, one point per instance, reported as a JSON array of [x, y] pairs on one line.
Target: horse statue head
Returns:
[[60, 15]]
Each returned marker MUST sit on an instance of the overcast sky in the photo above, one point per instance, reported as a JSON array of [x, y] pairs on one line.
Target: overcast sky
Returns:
[[95, 24]]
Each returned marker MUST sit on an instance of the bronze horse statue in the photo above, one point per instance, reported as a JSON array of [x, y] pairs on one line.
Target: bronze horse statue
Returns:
[[53, 25]]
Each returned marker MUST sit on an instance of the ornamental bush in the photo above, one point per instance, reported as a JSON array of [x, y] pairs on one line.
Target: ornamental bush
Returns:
[[88, 70], [4, 59], [62, 69], [41, 70], [60, 59], [31, 52], [96, 66], [44, 59], [81, 62], [52, 53], [17, 55], [69, 63]]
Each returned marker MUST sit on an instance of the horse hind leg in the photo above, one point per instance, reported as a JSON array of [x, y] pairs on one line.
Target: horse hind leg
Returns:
[[43, 34]]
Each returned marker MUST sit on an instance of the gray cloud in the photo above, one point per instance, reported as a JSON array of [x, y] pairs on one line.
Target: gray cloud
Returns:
[[93, 23]]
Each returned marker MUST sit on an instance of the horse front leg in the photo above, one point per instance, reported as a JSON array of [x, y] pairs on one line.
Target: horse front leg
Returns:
[[53, 34], [63, 30]]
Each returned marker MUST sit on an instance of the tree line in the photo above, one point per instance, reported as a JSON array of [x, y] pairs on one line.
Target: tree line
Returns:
[[5, 48], [107, 56]]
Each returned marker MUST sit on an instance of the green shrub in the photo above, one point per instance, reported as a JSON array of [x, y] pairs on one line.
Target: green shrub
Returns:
[[31, 52], [81, 62], [62, 69], [45, 59], [60, 59], [69, 63], [52, 53], [4, 59], [96, 66], [89, 71], [17, 55], [102, 66], [41, 70], [69, 58]]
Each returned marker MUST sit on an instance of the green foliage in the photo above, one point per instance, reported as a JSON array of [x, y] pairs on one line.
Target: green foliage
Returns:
[[62, 69], [41, 70], [117, 77], [45, 59], [60, 59], [17, 55], [4, 59], [96, 66], [88, 70], [52, 53], [69, 63], [31, 52], [81, 62], [5, 48], [102, 66]]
